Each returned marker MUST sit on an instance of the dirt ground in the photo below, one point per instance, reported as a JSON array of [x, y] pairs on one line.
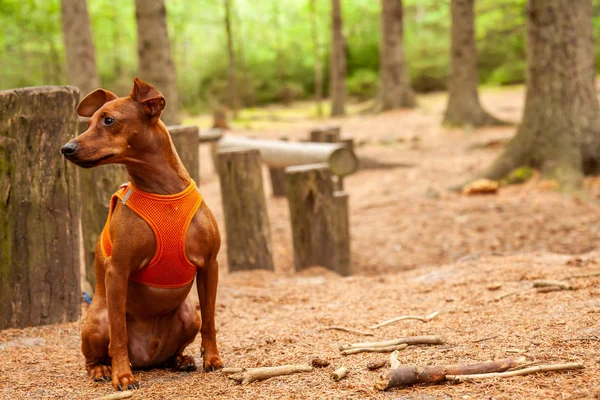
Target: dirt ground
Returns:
[[417, 248]]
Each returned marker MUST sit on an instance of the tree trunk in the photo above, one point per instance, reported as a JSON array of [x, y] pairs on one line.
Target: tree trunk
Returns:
[[463, 99], [319, 219], [245, 209], [155, 64], [560, 131], [234, 101], [185, 138], [39, 208], [318, 66], [337, 76], [394, 90], [97, 185], [79, 46]]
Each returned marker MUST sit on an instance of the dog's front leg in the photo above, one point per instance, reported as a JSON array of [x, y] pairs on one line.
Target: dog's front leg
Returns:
[[117, 279]]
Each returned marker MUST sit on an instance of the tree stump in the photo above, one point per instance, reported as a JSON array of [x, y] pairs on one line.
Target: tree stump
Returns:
[[319, 219], [349, 144], [244, 206], [97, 185], [326, 134], [278, 178], [39, 208], [185, 139]]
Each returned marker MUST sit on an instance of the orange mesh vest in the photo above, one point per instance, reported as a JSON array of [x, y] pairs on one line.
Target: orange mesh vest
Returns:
[[169, 216]]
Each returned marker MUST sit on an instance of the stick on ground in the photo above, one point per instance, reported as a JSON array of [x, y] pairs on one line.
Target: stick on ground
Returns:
[[339, 374], [406, 376], [405, 317], [550, 283], [411, 340], [259, 374], [117, 396], [518, 372], [344, 329], [387, 349], [395, 359]]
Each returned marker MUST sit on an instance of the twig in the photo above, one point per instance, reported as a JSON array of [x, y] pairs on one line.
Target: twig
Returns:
[[258, 374], [405, 317], [525, 371], [394, 359], [484, 339], [343, 329], [411, 340], [339, 374], [505, 295], [583, 276], [117, 396], [406, 376], [550, 283], [374, 349]]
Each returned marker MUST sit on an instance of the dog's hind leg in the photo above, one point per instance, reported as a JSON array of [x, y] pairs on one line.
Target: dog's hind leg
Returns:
[[187, 332]]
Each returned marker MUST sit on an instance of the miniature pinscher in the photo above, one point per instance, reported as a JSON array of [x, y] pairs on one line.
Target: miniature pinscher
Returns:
[[159, 236]]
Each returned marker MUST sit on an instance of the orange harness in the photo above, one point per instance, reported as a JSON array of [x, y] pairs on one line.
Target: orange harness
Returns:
[[169, 216]]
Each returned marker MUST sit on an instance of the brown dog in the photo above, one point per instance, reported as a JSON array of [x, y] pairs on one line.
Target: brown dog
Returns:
[[133, 324]]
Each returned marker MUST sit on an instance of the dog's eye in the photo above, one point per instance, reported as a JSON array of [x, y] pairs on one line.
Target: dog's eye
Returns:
[[108, 121]]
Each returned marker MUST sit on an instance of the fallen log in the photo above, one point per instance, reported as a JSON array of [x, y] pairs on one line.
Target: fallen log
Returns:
[[406, 376], [518, 372], [340, 159], [250, 375], [411, 340]]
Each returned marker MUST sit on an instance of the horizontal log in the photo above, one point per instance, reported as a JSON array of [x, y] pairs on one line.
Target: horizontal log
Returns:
[[278, 154]]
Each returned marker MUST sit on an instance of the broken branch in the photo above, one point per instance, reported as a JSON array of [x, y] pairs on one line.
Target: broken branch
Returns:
[[394, 359], [116, 396], [374, 349], [405, 317], [259, 374], [339, 374], [406, 376], [518, 372], [411, 340], [344, 329]]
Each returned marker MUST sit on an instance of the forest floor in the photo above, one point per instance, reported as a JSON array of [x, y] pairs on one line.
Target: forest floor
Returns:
[[416, 248]]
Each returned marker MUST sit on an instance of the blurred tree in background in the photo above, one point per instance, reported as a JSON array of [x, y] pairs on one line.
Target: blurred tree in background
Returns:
[[272, 41]]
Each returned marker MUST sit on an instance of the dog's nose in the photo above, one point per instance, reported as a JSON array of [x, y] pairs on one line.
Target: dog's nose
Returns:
[[69, 148]]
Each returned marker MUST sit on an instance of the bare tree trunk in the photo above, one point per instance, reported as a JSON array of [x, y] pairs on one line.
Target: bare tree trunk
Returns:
[[317, 56], [394, 90], [234, 101], [337, 77], [463, 99], [79, 46], [560, 131], [154, 54]]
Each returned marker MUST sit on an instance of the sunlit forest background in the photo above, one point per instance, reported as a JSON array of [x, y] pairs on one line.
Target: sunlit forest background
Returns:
[[272, 41]]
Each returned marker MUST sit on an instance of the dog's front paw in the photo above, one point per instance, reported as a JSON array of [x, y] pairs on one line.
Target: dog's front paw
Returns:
[[212, 362], [124, 381], [100, 373], [184, 363]]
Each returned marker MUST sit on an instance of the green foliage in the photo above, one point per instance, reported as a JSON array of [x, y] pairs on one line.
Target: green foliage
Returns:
[[273, 46], [519, 175]]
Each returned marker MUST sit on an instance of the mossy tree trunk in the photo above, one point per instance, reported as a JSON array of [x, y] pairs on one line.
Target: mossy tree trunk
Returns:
[[79, 46], [155, 64], [560, 131], [39, 208], [464, 107], [394, 89], [337, 67]]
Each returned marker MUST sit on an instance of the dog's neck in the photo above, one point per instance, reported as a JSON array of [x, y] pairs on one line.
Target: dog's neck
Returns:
[[159, 170]]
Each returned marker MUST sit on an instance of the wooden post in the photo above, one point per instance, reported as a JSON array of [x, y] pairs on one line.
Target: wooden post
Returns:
[[326, 134], [245, 210], [319, 219], [97, 185], [185, 138], [39, 208], [278, 178], [349, 144]]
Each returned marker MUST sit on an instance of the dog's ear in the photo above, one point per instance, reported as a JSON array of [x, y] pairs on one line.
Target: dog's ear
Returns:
[[94, 101], [153, 102]]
